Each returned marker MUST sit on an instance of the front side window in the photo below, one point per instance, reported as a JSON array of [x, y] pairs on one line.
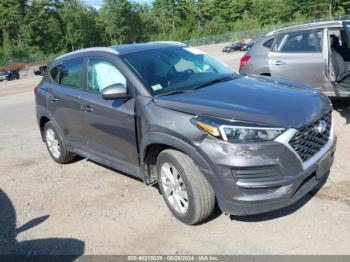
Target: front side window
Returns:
[[102, 73], [301, 42], [170, 69], [71, 73]]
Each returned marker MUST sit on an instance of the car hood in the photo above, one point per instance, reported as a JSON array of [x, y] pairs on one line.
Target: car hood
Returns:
[[256, 99]]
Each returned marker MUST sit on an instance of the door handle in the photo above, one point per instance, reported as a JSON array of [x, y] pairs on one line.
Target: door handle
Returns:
[[53, 99], [87, 108], [279, 62]]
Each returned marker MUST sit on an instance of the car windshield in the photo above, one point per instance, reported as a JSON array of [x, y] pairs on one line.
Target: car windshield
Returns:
[[2, 73], [172, 69], [347, 25]]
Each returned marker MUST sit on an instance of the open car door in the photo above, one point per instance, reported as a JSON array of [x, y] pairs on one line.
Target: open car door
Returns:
[[339, 59], [298, 56]]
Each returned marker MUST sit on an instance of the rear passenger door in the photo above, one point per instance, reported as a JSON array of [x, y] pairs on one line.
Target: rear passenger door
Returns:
[[109, 125], [298, 56], [65, 89]]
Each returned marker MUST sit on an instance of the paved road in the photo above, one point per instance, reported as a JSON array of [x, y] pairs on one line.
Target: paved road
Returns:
[[87, 208]]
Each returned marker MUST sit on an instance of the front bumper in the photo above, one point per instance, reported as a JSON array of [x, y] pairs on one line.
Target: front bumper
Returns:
[[257, 178]]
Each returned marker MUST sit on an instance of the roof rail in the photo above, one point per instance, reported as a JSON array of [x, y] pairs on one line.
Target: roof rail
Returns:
[[168, 42], [317, 23], [90, 49]]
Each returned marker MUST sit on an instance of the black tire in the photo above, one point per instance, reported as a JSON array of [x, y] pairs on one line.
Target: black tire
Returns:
[[65, 156], [201, 197]]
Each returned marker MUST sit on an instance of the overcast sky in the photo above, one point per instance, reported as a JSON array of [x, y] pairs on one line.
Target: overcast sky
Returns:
[[98, 3]]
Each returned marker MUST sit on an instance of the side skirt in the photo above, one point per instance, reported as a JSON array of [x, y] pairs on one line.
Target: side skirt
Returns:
[[115, 164]]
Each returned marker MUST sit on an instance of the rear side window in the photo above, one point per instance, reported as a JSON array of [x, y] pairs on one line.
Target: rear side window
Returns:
[[71, 73], [301, 42], [268, 43], [54, 72]]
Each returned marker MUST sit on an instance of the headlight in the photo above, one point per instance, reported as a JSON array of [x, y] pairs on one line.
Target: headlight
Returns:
[[236, 131]]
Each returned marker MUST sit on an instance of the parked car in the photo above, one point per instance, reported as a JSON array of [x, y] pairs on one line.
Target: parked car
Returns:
[[234, 47], [255, 61], [40, 70], [317, 54], [9, 75], [2, 75], [251, 43], [170, 114]]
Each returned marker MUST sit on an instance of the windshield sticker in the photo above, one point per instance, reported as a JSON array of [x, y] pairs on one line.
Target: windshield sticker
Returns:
[[195, 51], [157, 87]]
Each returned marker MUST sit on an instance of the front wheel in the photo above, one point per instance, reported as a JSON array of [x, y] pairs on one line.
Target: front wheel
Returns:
[[185, 190]]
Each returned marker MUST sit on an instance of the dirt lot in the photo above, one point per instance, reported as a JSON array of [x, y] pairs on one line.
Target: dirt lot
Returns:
[[84, 208]]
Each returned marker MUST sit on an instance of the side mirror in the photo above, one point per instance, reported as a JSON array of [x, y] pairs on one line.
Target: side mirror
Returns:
[[42, 70], [115, 91]]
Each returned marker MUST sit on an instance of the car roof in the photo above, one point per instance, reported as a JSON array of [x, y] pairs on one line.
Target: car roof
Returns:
[[121, 49], [310, 26], [258, 47], [133, 48]]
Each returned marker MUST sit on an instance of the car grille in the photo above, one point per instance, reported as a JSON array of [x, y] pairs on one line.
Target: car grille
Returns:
[[308, 141]]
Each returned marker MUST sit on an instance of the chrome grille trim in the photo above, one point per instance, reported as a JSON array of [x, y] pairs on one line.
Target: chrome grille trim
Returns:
[[308, 141], [289, 133]]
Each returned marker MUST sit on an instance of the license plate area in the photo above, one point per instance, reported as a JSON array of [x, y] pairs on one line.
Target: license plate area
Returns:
[[324, 165]]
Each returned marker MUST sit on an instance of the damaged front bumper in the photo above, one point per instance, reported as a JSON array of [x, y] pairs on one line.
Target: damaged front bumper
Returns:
[[261, 177]]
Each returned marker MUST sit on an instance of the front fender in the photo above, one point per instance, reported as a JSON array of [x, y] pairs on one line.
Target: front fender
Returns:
[[190, 150]]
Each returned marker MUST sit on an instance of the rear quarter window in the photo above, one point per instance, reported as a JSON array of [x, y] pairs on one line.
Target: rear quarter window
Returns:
[[54, 72], [268, 43]]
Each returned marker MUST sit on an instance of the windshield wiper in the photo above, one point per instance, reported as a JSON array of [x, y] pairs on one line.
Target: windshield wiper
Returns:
[[213, 81], [216, 80], [174, 92]]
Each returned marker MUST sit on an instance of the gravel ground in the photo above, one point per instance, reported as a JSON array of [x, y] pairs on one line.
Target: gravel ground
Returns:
[[85, 208]]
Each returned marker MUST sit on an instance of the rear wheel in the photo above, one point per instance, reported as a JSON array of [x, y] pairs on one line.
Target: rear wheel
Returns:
[[55, 145], [185, 190]]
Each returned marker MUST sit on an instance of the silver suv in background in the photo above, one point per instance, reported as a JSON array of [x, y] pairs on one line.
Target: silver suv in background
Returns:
[[255, 61], [317, 54]]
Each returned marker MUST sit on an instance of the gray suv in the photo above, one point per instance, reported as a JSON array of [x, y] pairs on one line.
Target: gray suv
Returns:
[[317, 54], [170, 114]]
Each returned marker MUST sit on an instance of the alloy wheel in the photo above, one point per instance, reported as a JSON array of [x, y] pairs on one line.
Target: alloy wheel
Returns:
[[174, 188], [53, 143]]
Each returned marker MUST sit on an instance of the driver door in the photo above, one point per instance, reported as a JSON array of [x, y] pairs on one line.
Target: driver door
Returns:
[[109, 124]]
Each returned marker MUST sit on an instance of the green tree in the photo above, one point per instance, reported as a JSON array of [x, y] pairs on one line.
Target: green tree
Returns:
[[121, 21], [246, 23], [272, 12], [80, 25], [11, 15], [42, 28], [46, 27], [7, 49]]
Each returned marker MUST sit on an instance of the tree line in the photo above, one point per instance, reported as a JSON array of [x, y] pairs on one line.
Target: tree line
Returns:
[[51, 27]]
